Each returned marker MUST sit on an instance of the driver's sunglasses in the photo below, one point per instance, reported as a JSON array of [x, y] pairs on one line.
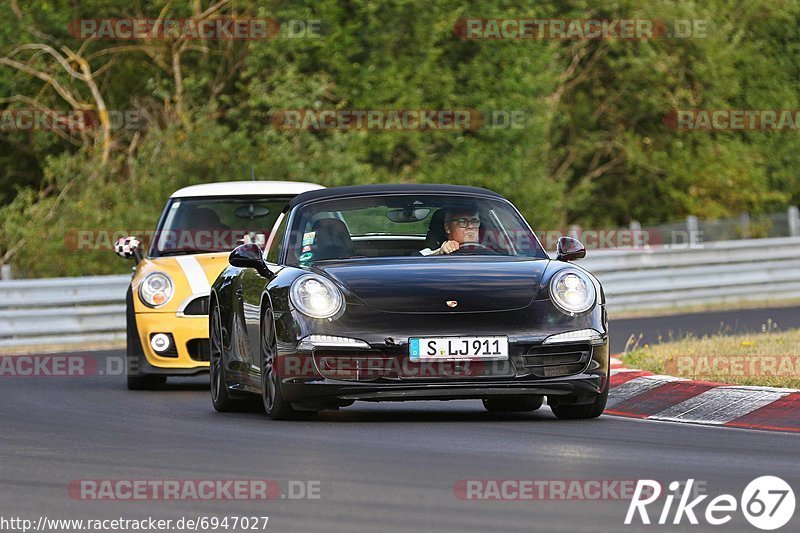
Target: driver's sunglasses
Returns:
[[464, 222]]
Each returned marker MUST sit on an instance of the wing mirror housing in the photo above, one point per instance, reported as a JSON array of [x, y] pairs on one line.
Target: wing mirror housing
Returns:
[[129, 248], [250, 256], [569, 249]]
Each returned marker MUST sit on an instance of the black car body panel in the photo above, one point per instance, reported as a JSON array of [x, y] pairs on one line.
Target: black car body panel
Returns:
[[479, 285], [390, 300]]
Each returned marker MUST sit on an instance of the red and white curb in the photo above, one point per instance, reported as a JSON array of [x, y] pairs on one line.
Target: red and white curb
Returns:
[[642, 394]]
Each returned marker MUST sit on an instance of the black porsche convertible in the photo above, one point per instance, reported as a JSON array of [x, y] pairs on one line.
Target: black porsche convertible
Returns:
[[407, 292]]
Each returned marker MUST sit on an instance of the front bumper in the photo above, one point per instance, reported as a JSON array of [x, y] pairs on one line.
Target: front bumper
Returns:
[[580, 389], [190, 334], [576, 373]]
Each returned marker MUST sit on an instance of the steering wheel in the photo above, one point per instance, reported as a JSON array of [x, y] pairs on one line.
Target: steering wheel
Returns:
[[474, 247]]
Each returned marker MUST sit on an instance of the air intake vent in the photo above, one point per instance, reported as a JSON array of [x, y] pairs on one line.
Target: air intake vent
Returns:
[[198, 306], [556, 361], [198, 349]]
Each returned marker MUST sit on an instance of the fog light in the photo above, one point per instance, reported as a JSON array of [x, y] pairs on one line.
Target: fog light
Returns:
[[160, 342]]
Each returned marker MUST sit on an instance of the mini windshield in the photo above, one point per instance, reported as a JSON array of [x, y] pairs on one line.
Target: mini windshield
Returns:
[[219, 224], [405, 225]]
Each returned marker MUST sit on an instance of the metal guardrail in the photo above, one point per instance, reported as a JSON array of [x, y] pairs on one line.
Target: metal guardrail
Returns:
[[62, 310], [88, 309], [755, 270]]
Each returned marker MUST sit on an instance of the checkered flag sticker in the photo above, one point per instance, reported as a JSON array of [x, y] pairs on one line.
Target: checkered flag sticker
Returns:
[[126, 245]]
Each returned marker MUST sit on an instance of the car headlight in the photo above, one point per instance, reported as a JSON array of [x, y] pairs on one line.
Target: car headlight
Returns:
[[316, 296], [156, 289], [572, 291]]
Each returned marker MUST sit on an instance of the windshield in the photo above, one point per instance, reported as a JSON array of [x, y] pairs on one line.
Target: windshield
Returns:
[[409, 225], [203, 225]]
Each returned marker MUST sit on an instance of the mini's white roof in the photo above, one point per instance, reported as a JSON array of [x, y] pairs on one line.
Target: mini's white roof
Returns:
[[245, 188]]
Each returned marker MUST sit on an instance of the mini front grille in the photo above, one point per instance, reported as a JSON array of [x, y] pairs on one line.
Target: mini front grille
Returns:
[[198, 306], [198, 349]]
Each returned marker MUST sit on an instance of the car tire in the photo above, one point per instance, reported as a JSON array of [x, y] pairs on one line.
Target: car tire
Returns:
[[582, 412], [275, 405], [220, 397], [513, 404]]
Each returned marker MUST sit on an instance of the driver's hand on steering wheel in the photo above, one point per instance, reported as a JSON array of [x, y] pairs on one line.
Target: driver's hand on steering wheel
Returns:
[[448, 247]]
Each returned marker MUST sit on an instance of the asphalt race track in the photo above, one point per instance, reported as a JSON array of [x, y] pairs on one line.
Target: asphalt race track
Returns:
[[381, 467]]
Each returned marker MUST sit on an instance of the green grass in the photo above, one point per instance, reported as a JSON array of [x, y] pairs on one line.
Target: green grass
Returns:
[[695, 358]]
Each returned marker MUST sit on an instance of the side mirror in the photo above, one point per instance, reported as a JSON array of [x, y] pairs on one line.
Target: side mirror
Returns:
[[250, 256], [569, 249], [129, 248]]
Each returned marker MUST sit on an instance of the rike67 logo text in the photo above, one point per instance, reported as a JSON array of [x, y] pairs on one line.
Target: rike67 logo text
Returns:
[[767, 502]]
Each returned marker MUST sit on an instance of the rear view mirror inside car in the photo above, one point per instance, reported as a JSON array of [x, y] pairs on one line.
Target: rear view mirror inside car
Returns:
[[251, 211], [408, 215]]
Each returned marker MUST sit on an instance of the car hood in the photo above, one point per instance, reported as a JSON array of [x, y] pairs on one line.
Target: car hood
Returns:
[[427, 285]]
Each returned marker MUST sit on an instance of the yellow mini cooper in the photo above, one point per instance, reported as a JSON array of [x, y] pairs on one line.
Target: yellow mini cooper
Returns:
[[167, 301]]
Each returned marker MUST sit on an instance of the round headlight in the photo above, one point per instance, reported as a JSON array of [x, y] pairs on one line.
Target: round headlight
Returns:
[[156, 289], [572, 291], [316, 296]]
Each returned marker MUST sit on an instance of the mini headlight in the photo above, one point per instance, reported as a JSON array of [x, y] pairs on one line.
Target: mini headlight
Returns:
[[156, 289], [572, 291], [316, 296]]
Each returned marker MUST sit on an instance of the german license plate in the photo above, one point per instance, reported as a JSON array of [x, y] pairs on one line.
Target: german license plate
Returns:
[[457, 348]]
